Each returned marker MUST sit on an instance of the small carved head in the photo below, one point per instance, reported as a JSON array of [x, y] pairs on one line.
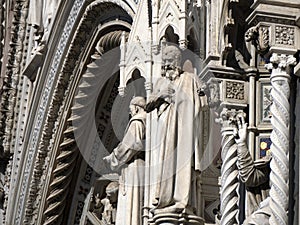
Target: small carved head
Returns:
[[112, 190], [137, 104], [251, 34]]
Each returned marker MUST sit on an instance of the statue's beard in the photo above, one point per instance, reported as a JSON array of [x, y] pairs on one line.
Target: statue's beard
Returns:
[[169, 67], [171, 72]]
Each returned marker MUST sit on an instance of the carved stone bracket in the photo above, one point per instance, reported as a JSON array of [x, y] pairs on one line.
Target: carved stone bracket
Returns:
[[268, 38], [259, 37]]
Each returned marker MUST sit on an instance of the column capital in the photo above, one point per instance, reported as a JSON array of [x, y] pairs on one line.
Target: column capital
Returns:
[[280, 65], [281, 61], [228, 118]]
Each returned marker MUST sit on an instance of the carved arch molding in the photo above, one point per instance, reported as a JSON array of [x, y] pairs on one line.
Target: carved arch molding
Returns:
[[100, 30]]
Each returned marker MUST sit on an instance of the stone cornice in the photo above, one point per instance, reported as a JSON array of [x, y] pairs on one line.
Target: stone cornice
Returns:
[[284, 12]]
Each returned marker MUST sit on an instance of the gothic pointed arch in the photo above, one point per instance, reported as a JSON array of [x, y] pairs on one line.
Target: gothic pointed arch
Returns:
[[100, 25], [170, 35], [137, 82]]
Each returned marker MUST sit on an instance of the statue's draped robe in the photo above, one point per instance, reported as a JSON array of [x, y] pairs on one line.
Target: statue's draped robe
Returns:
[[255, 175], [128, 156], [175, 137]]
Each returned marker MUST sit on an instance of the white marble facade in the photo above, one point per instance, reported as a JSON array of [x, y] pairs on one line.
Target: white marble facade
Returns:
[[213, 136]]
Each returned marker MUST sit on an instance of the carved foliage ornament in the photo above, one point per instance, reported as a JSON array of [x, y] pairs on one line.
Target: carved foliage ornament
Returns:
[[235, 90], [284, 35], [281, 61], [259, 37]]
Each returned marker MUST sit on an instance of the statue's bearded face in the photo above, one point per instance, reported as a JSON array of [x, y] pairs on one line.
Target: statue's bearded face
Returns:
[[171, 60]]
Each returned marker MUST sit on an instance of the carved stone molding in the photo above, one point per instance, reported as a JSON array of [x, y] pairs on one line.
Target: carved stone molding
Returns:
[[36, 158], [176, 218], [37, 177], [56, 199], [36, 184], [10, 85], [2, 29], [68, 151], [11, 74]]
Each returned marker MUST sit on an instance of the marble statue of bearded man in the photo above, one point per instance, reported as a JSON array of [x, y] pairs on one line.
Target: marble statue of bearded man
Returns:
[[175, 104]]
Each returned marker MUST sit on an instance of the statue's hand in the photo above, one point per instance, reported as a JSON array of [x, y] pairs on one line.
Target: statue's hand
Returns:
[[241, 133], [150, 106], [166, 93]]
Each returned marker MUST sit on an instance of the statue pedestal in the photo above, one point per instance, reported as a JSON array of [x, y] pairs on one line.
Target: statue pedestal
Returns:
[[161, 217]]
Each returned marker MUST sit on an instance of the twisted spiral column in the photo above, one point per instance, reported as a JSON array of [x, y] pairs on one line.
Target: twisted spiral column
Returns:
[[229, 176], [280, 121]]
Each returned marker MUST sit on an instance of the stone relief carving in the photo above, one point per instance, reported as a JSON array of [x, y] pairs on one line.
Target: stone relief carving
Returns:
[[56, 101], [213, 93], [11, 79], [128, 157], [175, 105], [259, 37], [2, 194], [235, 90], [9, 84], [266, 103], [284, 35]]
